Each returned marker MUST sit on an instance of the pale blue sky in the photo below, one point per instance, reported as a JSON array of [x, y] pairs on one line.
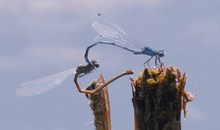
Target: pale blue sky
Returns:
[[43, 37]]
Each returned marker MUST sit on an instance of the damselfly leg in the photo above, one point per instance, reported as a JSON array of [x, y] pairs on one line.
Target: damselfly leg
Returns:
[[147, 62]]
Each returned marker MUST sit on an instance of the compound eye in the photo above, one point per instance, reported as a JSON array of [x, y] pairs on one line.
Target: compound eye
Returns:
[[96, 65]]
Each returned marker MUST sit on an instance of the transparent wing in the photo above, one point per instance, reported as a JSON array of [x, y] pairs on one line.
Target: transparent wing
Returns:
[[42, 85], [113, 32]]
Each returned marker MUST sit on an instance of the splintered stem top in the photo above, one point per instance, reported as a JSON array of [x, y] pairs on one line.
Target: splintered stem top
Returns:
[[99, 103], [158, 98], [99, 98]]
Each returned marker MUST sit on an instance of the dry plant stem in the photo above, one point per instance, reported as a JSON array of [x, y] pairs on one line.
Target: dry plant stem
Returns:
[[128, 72], [157, 99], [99, 103], [97, 93]]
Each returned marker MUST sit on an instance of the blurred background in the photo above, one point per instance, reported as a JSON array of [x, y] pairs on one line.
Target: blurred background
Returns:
[[43, 37]]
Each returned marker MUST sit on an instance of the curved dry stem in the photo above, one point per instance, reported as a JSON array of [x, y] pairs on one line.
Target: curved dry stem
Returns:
[[128, 72]]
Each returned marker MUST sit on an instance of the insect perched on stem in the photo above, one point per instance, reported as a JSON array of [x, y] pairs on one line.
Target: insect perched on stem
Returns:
[[45, 84], [120, 39]]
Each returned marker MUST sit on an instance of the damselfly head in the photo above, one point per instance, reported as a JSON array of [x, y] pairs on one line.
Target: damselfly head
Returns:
[[161, 53], [95, 63]]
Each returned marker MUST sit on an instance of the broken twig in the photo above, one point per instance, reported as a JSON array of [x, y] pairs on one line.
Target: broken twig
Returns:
[[158, 97]]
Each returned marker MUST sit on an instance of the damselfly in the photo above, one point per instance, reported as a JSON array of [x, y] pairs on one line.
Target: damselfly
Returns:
[[120, 39], [45, 84]]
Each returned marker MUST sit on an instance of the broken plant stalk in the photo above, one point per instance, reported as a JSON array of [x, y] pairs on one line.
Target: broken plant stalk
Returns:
[[97, 94], [158, 97]]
